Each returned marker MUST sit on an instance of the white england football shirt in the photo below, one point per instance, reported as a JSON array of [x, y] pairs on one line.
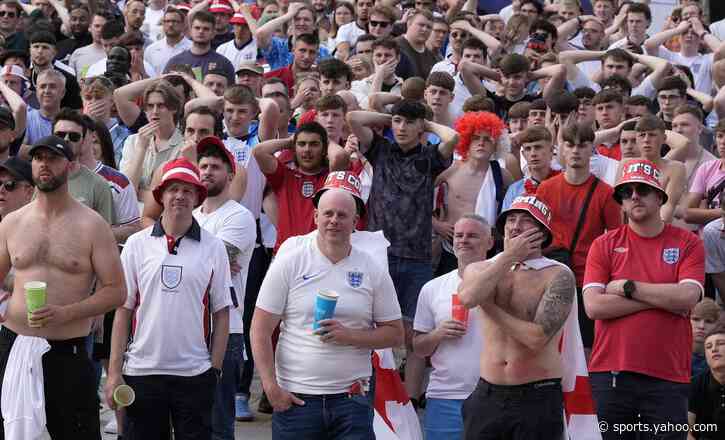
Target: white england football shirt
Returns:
[[173, 288], [303, 363]]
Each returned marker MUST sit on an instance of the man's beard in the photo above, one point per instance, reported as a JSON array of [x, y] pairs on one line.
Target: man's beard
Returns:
[[52, 184], [214, 189]]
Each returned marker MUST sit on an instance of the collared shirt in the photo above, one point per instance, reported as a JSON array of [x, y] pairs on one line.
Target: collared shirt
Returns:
[[278, 53], [119, 132], [401, 197], [174, 286], [707, 400], [158, 54], [153, 158]]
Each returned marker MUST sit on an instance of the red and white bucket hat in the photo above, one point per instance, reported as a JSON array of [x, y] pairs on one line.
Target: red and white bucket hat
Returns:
[[346, 181], [180, 170], [535, 207], [640, 171]]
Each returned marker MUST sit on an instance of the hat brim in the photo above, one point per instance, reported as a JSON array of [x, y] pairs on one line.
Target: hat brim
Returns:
[[16, 174], [501, 222], [618, 199], [54, 149], [248, 69], [217, 144], [158, 192], [358, 201]]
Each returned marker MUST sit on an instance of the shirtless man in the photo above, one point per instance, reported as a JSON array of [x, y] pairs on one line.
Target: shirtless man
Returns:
[[58, 240], [650, 138], [524, 301], [479, 136]]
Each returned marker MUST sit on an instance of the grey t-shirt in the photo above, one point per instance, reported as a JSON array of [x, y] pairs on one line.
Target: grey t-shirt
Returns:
[[201, 64], [83, 58]]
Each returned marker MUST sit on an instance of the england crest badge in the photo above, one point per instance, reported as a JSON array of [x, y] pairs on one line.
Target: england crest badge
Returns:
[[355, 279], [671, 255], [171, 276], [308, 189]]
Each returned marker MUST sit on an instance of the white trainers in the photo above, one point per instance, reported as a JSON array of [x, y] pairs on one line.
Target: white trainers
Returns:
[[111, 427]]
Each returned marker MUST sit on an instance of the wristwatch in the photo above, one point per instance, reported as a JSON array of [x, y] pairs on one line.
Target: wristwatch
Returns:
[[629, 288]]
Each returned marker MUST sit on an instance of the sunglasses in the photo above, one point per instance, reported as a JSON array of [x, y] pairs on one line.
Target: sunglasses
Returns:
[[374, 23], [627, 191], [69, 135], [8, 14], [457, 35], [10, 185]]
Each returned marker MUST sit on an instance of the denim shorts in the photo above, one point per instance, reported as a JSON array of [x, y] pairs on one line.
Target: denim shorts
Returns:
[[443, 419]]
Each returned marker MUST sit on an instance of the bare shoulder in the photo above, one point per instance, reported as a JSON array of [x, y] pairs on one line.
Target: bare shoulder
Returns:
[[560, 278], [448, 172], [557, 300], [672, 167], [88, 219]]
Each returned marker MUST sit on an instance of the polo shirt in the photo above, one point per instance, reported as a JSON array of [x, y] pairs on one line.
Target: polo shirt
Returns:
[[235, 226], [707, 401], [174, 286], [303, 363], [153, 158], [401, 196]]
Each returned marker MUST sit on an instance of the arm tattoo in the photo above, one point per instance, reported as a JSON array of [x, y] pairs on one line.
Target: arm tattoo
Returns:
[[232, 252], [556, 303]]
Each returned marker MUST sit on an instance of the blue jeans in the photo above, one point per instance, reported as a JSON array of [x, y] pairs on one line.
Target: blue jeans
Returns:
[[409, 276], [222, 420], [637, 398], [443, 419], [326, 418]]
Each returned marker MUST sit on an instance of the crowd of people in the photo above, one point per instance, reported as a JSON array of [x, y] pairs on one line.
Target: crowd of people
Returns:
[[188, 179]]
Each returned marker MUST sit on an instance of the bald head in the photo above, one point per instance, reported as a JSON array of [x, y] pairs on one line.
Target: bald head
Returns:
[[338, 199], [336, 216]]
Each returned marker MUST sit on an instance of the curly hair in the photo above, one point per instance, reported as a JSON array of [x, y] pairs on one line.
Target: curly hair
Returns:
[[474, 122]]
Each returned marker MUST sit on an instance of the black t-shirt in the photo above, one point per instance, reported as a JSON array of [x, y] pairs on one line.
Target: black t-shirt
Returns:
[[503, 105], [707, 402], [418, 63]]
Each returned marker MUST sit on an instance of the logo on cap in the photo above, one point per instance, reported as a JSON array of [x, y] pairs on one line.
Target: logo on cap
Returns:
[[535, 203]]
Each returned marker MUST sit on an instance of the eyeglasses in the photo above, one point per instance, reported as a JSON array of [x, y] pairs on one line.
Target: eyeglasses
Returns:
[[10, 185], [69, 135], [626, 191], [8, 14], [459, 35], [374, 23]]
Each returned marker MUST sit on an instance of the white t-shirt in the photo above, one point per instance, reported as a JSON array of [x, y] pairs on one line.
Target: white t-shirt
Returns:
[[350, 33], [158, 54], [700, 65], [456, 362], [605, 168], [460, 95], [235, 225], [254, 192], [172, 297], [238, 55], [444, 66], [152, 26], [84, 57], [714, 247], [99, 68], [304, 364]]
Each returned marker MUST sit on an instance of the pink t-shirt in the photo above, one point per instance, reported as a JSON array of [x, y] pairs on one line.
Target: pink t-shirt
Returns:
[[708, 176]]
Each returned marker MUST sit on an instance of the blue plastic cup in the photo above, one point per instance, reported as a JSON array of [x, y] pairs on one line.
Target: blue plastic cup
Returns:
[[324, 307]]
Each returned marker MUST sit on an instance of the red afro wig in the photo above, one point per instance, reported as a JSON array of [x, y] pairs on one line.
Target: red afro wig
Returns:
[[475, 122]]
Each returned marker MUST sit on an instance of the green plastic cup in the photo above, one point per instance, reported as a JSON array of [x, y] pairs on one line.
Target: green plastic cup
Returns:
[[124, 396], [35, 297]]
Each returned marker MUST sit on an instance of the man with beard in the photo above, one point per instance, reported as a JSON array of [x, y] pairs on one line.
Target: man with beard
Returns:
[[159, 53], [70, 260], [200, 56], [305, 53], [80, 18], [42, 53], [235, 226], [83, 184], [9, 18], [84, 57]]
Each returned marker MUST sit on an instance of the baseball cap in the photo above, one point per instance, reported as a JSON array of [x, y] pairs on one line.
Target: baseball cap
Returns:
[[216, 143], [346, 181], [238, 19], [639, 171], [250, 66], [13, 69], [181, 170], [535, 207], [7, 120], [183, 7], [18, 168], [55, 144], [221, 7]]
